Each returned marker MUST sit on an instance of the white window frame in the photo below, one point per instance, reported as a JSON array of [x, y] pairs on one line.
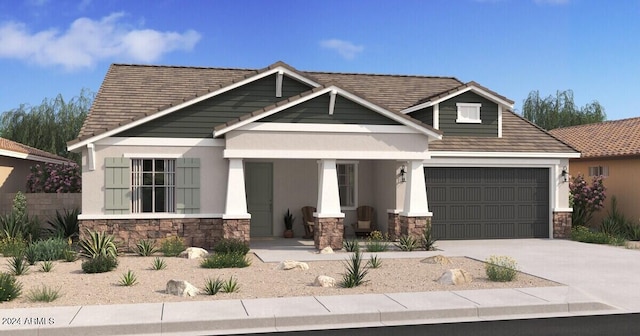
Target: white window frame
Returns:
[[354, 187], [468, 113], [599, 171], [137, 184]]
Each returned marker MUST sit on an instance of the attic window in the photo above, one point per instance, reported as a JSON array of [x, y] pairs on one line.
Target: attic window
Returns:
[[468, 113], [599, 171]]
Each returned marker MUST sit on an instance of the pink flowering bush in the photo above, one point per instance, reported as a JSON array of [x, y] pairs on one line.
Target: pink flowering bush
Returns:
[[54, 178], [586, 198]]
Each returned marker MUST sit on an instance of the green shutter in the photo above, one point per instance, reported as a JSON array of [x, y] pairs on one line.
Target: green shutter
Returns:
[[188, 185], [117, 185]]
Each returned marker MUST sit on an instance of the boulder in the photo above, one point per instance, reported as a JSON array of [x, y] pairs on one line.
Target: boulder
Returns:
[[194, 253], [455, 276], [181, 288], [326, 250], [437, 259], [324, 281], [291, 264]]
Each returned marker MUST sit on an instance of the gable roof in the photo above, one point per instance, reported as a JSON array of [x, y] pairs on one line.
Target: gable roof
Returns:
[[17, 150], [605, 139], [470, 86]]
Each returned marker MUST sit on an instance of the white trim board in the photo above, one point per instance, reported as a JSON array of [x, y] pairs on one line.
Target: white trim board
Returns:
[[439, 154], [191, 102], [327, 128], [320, 154], [161, 142], [18, 155], [476, 90]]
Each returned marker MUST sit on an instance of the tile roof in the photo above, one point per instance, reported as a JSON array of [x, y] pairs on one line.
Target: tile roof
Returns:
[[9, 145], [460, 88], [605, 139]]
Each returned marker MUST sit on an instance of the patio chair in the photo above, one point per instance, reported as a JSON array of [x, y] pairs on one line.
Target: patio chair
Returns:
[[308, 221], [365, 223]]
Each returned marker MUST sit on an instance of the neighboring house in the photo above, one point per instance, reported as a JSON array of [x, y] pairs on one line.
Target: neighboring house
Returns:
[[207, 153], [610, 149]]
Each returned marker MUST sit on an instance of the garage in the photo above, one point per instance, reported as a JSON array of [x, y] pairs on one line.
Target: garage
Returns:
[[488, 202]]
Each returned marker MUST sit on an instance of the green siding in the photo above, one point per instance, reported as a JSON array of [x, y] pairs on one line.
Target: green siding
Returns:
[[187, 185], [316, 111], [488, 115], [117, 185], [199, 120], [425, 115]]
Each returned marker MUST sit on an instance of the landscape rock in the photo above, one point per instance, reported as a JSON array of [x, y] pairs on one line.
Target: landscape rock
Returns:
[[438, 259], [291, 264], [326, 250], [194, 253], [324, 281], [181, 288], [455, 276]]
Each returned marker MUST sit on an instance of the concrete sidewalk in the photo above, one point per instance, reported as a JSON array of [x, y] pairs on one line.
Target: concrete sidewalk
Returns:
[[598, 279]]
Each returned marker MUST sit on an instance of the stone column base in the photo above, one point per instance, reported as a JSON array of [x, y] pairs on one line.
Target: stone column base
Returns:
[[394, 231], [328, 232], [236, 229], [413, 226], [562, 225]]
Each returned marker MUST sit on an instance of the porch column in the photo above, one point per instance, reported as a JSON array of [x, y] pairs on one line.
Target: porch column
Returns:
[[415, 215], [329, 227], [236, 221]]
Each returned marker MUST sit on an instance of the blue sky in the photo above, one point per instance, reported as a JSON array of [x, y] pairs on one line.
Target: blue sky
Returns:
[[510, 46]]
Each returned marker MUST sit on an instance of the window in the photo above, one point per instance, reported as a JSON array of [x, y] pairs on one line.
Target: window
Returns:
[[153, 185], [599, 171], [468, 113], [347, 184]]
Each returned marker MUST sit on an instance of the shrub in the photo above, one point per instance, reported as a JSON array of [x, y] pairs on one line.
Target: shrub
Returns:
[[585, 235], [128, 279], [427, 241], [375, 262], [46, 266], [43, 294], [54, 178], [146, 247], [586, 199], [98, 244], [355, 271], [213, 286], [18, 265], [14, 226], [65, 225], [351, 245], [100, 264], [158, 264], [229, 245], [10, 288], [226, 260], [632, 231], [172, 246], [501, 268], [50, 249], [19, 208], [10, 247], [407, 243], [70, 255], [231, 286], [377, 242]]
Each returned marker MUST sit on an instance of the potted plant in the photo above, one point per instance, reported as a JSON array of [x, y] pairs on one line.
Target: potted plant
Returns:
[[288, 224]]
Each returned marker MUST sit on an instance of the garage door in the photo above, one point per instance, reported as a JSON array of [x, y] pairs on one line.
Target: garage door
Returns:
[[484, 203]]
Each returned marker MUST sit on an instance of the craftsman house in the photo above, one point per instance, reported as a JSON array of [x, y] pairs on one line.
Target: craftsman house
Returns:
[[207, 153]]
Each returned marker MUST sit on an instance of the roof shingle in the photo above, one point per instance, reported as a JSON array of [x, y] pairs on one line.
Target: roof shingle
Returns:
[[606, 139]]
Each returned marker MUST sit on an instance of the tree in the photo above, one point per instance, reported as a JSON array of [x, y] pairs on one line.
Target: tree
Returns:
[[586, 199], [560, 111], [50, 125]]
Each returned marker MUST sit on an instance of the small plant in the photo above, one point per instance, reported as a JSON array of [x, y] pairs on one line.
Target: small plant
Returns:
[[43, 294], [10, 247], [288, 220], [65, 225], [98, 244], [407, 243], [213, 286], [351, 245], [18, 265], [10, 288], [128, 279], [70, 255], [158, 264], [229, 245], [230, 286], [172, 246], [100, 264], [46, 266], [146, 247], [50, 249], [427, 241], [375, 262], [501, 268], [585, 235], [355, 273], [226, 260], [633, 231], [377, 242]]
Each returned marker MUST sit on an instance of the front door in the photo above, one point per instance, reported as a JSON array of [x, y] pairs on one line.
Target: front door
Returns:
[[259, 189]]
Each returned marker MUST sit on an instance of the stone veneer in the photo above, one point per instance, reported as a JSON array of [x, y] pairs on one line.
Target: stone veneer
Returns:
[[393, 227], [198, 232], [562, 225], [328, 232], [413, 226]]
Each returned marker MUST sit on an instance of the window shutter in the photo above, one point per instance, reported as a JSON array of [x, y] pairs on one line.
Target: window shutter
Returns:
[[117, 185], [188, 185]]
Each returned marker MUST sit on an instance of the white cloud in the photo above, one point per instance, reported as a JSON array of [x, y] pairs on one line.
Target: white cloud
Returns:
[[87, 41], [346, 49]]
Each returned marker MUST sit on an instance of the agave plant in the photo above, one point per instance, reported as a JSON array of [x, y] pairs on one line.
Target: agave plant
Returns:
[[65, 224], [98, 244]]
